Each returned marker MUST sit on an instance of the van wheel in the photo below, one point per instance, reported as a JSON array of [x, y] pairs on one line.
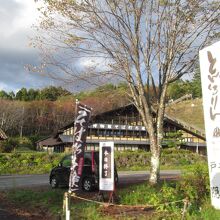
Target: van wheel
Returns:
[[87, 184], [54, 182]]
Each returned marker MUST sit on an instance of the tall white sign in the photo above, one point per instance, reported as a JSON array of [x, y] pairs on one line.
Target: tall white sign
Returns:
[[210, 76], [106, 166]]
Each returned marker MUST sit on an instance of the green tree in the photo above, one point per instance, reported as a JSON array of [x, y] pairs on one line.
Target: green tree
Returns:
[[22, 95], [32, 94], [4, 95], [175, 90], [107, 88], [179, 88], [11, 95], [196, 85], [52, 93]]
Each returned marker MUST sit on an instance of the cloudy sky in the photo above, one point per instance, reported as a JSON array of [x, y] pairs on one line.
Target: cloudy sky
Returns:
[[16, 19]]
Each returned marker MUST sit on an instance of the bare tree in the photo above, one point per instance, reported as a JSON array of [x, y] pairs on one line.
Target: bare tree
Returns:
[[11, 119], [147, 43]]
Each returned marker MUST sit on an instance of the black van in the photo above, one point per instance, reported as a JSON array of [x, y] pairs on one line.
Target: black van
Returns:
[[59, 175]]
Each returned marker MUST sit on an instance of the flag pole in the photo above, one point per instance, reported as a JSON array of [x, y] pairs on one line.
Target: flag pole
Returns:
[[76, 107], [67, 194]]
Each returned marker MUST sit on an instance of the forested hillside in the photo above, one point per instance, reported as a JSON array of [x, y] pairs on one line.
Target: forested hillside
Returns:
[[42, 112], [50, 93], [53, 108], [34, 117]]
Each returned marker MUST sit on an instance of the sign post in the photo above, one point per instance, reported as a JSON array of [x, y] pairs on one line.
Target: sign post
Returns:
[[106, 167], [210, 76]]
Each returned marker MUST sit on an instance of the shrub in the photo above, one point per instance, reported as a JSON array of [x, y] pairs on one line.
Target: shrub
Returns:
[[24, 142], [194, 184], [17, 144], [34, 139], [28, 163], [167, 196], [35, 162], [8, 145]]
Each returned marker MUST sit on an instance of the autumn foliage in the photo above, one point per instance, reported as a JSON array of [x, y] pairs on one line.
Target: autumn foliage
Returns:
[[45, 117]]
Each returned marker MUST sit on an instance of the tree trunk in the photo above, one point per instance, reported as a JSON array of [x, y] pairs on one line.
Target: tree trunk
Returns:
[[156, 138], [155, 162]]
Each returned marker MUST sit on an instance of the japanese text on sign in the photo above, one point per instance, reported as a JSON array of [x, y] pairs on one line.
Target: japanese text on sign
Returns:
[[106, 164], [106, 157], [213, 85]]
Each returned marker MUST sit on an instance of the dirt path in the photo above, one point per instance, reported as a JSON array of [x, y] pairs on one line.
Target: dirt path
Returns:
[[7, 215], [8, 211]]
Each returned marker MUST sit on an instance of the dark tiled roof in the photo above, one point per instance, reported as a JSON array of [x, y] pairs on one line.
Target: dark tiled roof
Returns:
[[50, 141]]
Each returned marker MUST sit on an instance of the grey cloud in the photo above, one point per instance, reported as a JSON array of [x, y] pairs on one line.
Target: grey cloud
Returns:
[[18, 40], [14, 50], [15, 53], [14, 75]]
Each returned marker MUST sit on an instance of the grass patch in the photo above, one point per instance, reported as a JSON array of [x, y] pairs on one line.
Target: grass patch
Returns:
[[194, 185], [90, 211], [51, 201], [166, 197], [185, 111], [158, 196], [207, 212], [48, 199]]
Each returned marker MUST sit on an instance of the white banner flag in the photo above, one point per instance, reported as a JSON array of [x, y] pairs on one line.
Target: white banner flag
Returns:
[[106, 166], [210, 76]]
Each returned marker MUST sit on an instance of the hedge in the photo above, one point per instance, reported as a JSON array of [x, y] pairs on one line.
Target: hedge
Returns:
[[39, 163]]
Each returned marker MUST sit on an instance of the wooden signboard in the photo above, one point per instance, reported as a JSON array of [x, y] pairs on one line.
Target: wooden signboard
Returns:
[[106, 166]]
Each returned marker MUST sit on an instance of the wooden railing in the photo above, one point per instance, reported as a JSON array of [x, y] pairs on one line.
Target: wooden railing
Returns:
[[196, 131], [130, 139]]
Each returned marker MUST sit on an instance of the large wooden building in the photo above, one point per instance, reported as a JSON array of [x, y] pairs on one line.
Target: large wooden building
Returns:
[[124, 126]]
